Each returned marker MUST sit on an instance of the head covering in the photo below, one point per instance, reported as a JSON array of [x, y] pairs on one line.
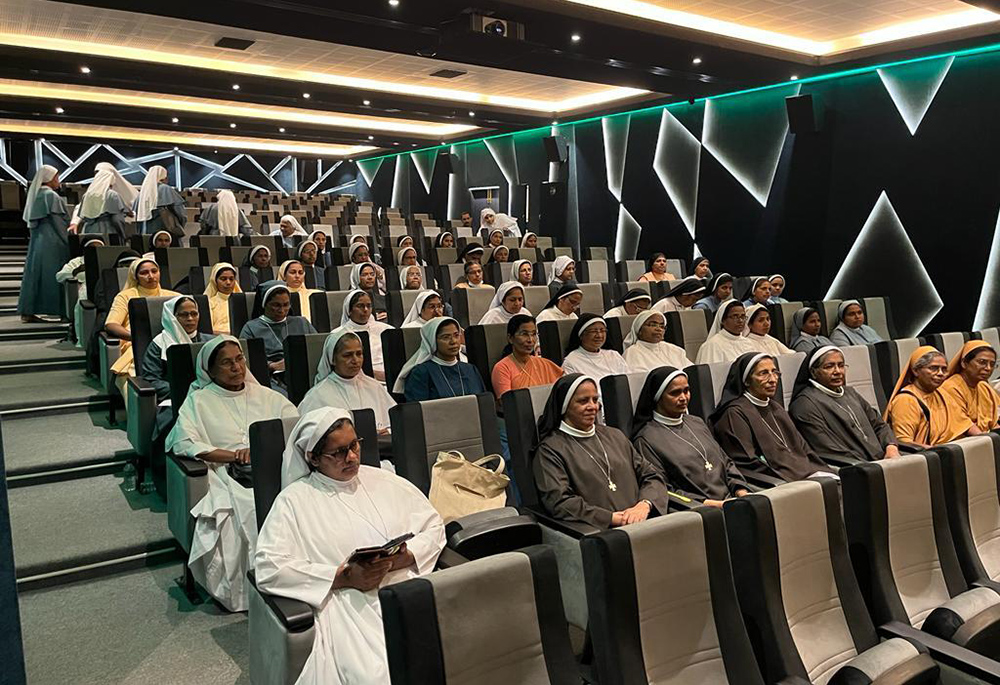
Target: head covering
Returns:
[[265, 291], [717, 280], [955, 365], [307, 241], [152, 240], [92, 203], [418, 304], [356, 273], [132, 279], [504, 222], [736, 380], [354, 247], [842, 309], [525, 238], [469, 248], [515, 267], [565, 290], [149, 193], [44, 175], [295, 224], [906, 376], [583, 323], [126, 191], [633, 335], [487, 234], [248, 261], [399, 255], [202, 377], [633, 295], [345, 314], [440, 238], [227, 213], [403, 272], [493, 252], [693, 264], [303, 439], [720, 314], [808, 364], [211, 289], [359, 238], [91, 241], [751, 312], [799, 319], [399, 241], [326, 362], [173, 332], [428, 346], [558, 266], [498, 298], [125, 258], [283, 269], [748, 295], [771, 278], [486, 212], [557, 404], [690, 285], [652, 390], [312, 237]]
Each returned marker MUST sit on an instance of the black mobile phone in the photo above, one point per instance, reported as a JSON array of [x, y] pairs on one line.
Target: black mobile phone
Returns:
[[380, 551]]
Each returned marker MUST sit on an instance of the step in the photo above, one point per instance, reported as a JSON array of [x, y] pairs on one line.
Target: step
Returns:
[[29, 357], [57, 389], [32, 331]]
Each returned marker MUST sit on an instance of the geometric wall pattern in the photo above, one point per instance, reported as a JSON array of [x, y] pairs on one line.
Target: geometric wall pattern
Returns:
[[912, 87]]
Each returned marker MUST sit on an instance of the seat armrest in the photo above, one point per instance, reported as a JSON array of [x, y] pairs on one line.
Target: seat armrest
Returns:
[[296, 616], [449, 558], [910, 448], [109, 339], [762, 481], [142, 387], [574, 529], [959, 658], [991, 584], [504, 534], [839, 460], [87, 304], [478, 518], [192, 468], [679, 502]]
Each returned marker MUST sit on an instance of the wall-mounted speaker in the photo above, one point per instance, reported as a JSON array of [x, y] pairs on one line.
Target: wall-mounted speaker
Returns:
[[805, 114], [446, 161], [556, 148]]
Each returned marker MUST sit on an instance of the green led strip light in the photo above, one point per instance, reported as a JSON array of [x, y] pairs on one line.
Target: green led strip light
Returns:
[[811, 79]]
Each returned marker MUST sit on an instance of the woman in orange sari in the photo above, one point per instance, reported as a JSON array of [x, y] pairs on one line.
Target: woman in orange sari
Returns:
[[967, 389], [521, 367], [918, 411]]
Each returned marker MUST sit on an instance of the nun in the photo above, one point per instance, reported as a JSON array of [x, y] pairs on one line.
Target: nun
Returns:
[[308, 256], [288, 228], [758, 328], [294, 275], [645, 348], [427, 305], [561, 272], [301, 556], [918, 411], [444, 239], [222, 283], [365, 277], [967, 389], [564, 305], [725, 340], [257, 266], [590, 473], [719, 289], [357, 316], [492, 238], [472, 252], [272, 324], [163, 239], [473, 277], [498, 254], [407, 256], [681, 296], [807, 326], [759, 292], [520, 367], [833, 418], [411, 278], [341, 383], [159, 206], [435, 370], [47, 217], [507, 303], [852, 329], [656, 269], [358, 253], [585, 353], [213, 425], [521, 271], [777, 287], [699, 267], [529, 241], [507, 224], [225, 217], [680, 446], [631, 303], [754, 430], [106, 203]]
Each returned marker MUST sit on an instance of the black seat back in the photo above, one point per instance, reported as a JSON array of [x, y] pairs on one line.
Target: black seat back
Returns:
[[619, 395], [302, 357], [77, 241], [241, 309], [485, 345], [176, 262], [145, 320], [521, 411], [553, 336], [326, 309], [398, 345], [213, 245], [95, 260], [181, 371]]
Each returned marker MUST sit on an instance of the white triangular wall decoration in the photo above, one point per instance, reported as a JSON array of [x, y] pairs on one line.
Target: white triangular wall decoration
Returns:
[[912, 87]]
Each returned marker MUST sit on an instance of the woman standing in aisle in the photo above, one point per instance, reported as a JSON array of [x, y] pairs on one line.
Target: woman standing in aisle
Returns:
[[47, 217]]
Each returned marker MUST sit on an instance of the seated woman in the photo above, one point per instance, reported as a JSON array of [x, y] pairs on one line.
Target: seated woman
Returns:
[[213, 425], [584, 353], [444, 239], [365, 277], [680, 446], [508, 302], [529, 240], [967, 389], [360, 254], [681, 296], [645, 348], [631, 303], [521, 271], [699, 267], [158, 204], [587, 472], [162, 239], [473, 277], [562, 271], [564, 304], [852, 329], [272, 324], [807, 325], [520, 367], [758, 327], [427, 306], [725, 340], [492, 238], [322, 241], [435, 370], [500, 253], [407, 256], [833, 418], [486, 218], [472, 252], [340, 382], [143, 280], [411, 278], [287, 228], [106, 203], [754, 430], [759, 292], [777, 287], [222, 283], [308, 256], [180, 320], [918, 411], [225, 217], [656, 269], [258, 265], [357, 316], [720, 289], [294, 275]]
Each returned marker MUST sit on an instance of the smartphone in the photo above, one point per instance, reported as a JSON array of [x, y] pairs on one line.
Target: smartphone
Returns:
[[379, 552]]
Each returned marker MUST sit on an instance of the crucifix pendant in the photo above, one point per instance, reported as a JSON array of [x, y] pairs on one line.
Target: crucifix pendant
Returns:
[[611, 486], [708, 466]]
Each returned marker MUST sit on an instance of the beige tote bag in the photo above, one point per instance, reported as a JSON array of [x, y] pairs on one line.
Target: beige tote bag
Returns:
[[460, 487]]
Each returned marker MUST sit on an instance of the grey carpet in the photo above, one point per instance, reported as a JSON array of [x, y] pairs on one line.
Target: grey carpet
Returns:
[[29, 447], [12, 324], [38, 350], [29, 389], [134, 628], [69, 523]]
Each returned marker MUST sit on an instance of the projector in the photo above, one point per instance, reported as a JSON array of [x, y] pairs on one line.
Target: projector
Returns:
[[500, 28]]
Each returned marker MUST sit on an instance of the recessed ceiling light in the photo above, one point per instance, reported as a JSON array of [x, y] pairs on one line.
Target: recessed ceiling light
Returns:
[[575, 37], [281, 130], [696, 60], [371, 137], [413, 144], [795, 77], [236, 86], [84, 70], [59, 110], [472, 114], [395, 143], [393, 3], [232, 125], [366, 102], [306, 95], [175, 120], [555, 123]]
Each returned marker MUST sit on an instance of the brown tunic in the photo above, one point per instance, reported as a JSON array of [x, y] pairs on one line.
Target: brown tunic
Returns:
[[828, 424]]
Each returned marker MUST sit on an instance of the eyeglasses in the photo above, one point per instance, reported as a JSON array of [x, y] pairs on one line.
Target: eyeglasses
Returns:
[[767, 374], [340, 455], [737, 317], [187, 315], [238, 360], [985, 364], [834, 365], [527, 334], [449, 337]]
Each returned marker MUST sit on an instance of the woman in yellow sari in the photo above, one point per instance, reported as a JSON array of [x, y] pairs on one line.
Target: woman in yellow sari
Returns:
[[222, 283], [294, 275], [967, 389], [918, 411]]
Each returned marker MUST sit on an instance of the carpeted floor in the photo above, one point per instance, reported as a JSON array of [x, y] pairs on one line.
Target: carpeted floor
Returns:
[[48, 350], [134, 628], [27, 389], [29, 448]]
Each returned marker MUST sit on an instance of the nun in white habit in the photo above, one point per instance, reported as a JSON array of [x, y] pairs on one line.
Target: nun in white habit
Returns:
[[557, 271], [758, 328], [645, 348], [156, 195], [340, 382], [563, 305], [213, 425], [507, 303], [356, 318], [725, 340], [225, 217], [421, 311], [301, 556], [585, 353], [106, 203]]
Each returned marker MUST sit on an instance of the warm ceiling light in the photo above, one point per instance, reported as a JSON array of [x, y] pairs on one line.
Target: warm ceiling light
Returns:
[[224, 108], [795, 77], [306, 95], [575, 37], [696, 60], [366, 102], [472, 114], [281, 130], [236, 86], [59, 110], [555, 123], [59, 128], [394, 143], [393, 3], [371, 137], [84, 70], [175, 120], [232, 125]]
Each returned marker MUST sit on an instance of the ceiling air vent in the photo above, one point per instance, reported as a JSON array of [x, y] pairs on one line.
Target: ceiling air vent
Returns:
[[234, 43], [448, 73]]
